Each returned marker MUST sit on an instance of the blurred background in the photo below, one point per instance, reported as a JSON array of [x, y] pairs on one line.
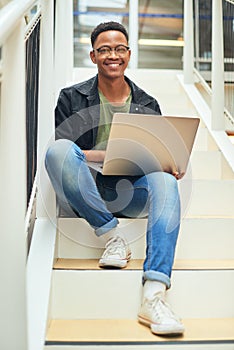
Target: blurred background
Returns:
[[160, 29], [160, 44]]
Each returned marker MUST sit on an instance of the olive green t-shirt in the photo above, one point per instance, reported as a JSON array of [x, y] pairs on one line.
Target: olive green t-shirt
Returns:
[[106, 115]]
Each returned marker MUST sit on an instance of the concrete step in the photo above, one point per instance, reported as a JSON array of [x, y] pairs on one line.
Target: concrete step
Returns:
[[76, 238], [206, 197], [205, 334], [81, 290]]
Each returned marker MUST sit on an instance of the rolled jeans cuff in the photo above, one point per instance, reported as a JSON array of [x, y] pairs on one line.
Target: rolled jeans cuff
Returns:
[[156, 276], [107, 227]]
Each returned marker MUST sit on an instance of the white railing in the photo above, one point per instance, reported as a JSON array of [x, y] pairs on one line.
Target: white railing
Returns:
[[214, 18], [13, 178], [213, 117], [217, 121], [24, 293]]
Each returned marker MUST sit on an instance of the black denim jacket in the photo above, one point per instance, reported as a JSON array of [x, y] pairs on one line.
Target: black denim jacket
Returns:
[[78, 111]]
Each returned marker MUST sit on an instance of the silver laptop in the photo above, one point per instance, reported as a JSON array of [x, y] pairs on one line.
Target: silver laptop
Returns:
[[140, 144]]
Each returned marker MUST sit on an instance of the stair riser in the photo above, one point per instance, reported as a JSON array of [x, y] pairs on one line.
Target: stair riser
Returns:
[[77, 239], [206, 239], [207, 197], [209, 166], [206, 165], [111, 294], [203, 141]]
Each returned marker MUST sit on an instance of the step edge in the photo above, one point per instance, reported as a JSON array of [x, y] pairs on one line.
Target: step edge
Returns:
[[192, 265]]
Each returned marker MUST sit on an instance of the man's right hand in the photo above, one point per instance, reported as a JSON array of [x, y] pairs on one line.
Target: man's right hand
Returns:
[[94, 155]]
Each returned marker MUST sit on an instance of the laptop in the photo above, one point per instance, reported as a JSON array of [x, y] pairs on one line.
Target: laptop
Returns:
[[139, 144]]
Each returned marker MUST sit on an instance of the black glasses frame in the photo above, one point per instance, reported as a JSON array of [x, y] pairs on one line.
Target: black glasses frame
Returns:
[[112, 49]]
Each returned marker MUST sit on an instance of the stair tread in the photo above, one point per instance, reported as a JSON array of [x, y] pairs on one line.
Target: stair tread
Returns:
[[130, 331], [136, 264]]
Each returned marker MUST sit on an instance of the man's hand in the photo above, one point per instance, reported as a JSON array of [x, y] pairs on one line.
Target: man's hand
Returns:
[[178, 175], [94, 155]]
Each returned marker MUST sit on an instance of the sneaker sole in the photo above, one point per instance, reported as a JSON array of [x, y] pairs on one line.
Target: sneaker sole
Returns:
[[161, 330], [114, 262]]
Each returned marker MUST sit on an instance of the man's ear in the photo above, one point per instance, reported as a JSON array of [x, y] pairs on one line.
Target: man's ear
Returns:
[[129, 53], [92, 56]]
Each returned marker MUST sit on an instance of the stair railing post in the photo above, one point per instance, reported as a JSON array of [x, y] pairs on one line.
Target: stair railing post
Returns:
[[188, 53], [133, 32], [13, 316], [46, 206], [217, 122], [63, 43]]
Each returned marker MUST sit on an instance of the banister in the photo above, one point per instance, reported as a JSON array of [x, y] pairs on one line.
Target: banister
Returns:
[[10, 15]]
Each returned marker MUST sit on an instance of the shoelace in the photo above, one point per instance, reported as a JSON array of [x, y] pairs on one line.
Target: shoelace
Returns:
[[115, 246], [161, 308]]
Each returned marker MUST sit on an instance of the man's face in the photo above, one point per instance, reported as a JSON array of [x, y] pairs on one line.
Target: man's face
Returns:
[[110, 65]]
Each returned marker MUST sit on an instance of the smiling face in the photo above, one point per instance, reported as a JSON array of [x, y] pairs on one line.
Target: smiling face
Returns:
[[112, 66]]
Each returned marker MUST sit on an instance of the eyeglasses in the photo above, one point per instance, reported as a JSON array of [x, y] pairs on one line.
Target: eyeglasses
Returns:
[[105, 51]]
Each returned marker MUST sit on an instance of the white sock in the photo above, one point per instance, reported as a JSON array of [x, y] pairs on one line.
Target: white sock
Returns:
[[152, 287], [116, 231]]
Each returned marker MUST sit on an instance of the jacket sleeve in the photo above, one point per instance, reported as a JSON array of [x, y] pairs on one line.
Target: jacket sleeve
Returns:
[[155, 107]]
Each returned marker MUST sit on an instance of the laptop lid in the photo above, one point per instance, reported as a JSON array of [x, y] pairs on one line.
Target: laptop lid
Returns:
[[140, 144]]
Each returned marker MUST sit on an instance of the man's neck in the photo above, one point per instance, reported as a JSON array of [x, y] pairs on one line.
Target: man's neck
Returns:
[[115, 90]]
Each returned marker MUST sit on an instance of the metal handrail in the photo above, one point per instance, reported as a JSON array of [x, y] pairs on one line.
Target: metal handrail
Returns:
[[10, 15]]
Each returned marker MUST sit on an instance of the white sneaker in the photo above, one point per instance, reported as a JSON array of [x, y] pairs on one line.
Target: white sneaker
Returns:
[[156, 314], [116, 254]]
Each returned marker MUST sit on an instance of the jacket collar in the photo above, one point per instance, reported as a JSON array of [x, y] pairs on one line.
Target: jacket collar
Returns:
[[89, 88]]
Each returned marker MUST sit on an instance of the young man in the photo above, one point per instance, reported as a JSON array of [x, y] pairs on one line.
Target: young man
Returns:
[[83, 117]]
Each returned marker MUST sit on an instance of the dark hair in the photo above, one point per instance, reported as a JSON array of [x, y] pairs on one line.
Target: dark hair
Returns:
[[103, 27]]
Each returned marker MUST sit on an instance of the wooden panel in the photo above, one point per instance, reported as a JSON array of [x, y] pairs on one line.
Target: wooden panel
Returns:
[[103, 331], [136, 264]]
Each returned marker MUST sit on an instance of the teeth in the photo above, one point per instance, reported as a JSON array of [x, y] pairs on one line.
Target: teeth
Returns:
[[113, 64]]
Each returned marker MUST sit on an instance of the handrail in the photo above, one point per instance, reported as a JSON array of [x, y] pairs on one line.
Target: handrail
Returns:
[[208, 89], [10, 15]]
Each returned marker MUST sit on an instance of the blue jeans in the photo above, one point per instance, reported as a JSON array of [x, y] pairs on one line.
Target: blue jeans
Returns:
[[99, 199]]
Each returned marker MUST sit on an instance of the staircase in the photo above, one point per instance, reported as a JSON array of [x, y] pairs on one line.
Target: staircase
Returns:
[[92, 308]]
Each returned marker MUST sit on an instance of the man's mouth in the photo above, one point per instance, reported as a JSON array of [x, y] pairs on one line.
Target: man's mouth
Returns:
[[113, 65]]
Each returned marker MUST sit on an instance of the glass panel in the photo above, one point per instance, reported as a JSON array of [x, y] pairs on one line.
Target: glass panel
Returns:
[[162, 23]]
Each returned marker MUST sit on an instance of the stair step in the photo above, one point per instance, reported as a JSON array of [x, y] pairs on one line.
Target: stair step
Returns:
[[127, 332], [81, 290], [136, 264]]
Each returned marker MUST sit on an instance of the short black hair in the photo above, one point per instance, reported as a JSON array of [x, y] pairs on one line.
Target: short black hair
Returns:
[[103, 27]]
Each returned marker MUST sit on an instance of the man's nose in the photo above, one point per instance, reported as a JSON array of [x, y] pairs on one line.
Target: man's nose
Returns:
[[113, 52]]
